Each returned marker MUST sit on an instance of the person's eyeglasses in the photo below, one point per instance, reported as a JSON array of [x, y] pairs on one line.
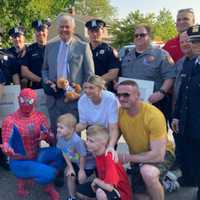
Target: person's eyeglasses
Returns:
[[125, 95], [140, 35]]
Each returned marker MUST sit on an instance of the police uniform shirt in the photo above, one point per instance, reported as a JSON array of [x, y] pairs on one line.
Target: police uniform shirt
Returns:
[[187, 106], [17, 57], [104, 59], [7, 67], [33, 59], [153, 64]]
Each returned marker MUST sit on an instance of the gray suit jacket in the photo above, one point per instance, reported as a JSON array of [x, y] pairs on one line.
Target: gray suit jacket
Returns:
[[81, 66], [80, 61]]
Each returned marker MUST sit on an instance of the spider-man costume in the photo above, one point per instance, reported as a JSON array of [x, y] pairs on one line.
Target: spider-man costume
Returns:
[[22, 132]]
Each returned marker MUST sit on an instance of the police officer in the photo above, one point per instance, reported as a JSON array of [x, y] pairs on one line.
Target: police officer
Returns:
[[106, 59], [8, 75], [186, 120], [33, 60], [18, 49], [146, 62], [8, 68]]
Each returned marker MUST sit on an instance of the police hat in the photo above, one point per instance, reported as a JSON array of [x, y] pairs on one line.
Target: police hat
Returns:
[[40, 25], [194, 33], [95, 24], [16, 31]]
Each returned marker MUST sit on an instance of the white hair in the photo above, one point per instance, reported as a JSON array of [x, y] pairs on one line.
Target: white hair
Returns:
[[65, 17]]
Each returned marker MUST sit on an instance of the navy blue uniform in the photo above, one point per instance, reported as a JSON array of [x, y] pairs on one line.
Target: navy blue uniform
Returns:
[[104, 59], [17, 57], [7, 70], [188, 112], [34, 61], [8, 67]]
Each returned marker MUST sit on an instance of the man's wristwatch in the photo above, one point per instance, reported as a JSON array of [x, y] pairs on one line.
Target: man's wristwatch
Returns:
[[162, 91]]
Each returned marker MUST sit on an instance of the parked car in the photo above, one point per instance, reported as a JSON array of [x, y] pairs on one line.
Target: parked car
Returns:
[[123, 51]]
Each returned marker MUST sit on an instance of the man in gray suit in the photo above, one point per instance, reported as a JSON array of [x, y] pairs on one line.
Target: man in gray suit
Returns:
[[67, 58]]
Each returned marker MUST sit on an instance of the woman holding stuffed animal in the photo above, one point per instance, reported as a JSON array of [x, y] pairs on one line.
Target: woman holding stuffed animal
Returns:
[[98, 106]]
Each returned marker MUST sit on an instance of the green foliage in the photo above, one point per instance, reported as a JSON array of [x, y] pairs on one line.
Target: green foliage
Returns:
[[95, 8], [163, 27], [23, 12]]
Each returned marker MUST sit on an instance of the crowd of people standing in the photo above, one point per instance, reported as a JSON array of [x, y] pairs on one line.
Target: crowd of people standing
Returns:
[[105, 110]]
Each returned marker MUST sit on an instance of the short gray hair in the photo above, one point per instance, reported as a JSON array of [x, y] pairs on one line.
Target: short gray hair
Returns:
[[65, 17]]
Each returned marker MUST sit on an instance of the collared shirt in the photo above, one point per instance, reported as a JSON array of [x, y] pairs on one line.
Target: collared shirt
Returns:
[[173, 48], [62, 60], [153, 64]]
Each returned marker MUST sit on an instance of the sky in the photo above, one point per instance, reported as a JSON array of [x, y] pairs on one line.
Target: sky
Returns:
[[148, 6]]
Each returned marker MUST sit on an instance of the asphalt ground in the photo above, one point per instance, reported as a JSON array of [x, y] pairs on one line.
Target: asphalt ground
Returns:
[[8, 188]]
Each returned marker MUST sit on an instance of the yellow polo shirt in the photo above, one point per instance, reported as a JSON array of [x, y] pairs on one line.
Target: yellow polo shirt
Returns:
[[148, 125]]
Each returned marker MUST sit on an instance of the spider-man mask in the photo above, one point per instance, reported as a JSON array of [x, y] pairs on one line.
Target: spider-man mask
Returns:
[[27, 99]]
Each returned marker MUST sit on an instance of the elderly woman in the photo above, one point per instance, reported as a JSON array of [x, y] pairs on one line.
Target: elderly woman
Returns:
[[98, 106]]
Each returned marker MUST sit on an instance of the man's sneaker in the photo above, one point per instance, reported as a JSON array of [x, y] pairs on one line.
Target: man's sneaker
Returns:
[[170, 182]]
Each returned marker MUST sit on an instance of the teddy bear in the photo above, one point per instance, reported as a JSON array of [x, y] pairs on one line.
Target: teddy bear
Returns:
[[71, 90]]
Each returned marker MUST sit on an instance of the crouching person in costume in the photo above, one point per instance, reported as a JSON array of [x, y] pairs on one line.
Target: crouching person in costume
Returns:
[[22, 133]]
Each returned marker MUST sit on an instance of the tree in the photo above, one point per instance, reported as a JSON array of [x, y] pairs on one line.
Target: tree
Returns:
[[95, 8], [163, 26], [23, 12], [16, 12]]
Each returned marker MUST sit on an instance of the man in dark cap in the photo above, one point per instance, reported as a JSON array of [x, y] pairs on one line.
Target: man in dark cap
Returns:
[[106, 59], [9, 70], [33, 60], [18, 49], [186, 120]]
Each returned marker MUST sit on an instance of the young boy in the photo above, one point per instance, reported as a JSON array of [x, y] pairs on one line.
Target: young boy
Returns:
[[74, 152], [111, 182]]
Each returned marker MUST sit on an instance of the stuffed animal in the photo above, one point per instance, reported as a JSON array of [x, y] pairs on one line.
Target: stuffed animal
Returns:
[[71, 90]]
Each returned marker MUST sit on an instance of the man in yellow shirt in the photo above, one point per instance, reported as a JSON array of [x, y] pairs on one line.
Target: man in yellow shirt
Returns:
[[151, 152]]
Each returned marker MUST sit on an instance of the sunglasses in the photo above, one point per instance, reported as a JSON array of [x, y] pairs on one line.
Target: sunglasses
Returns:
[[125, 95], [140, 35]]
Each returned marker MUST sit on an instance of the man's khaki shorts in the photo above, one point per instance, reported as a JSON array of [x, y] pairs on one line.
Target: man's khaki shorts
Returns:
[[138, 185]]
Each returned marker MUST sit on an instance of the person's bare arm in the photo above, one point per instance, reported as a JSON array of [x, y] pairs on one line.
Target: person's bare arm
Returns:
[[157, 96], [155, 154], [29, 75], [102, 184], [111, 75], [80, 127], [16, 79], [114, 134]]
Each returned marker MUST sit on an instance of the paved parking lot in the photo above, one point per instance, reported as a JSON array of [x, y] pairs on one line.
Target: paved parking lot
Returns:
[[8, 188]]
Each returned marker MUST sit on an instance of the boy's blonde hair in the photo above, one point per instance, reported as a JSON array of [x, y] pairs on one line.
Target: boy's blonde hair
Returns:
[[98, 132], [68, 120]]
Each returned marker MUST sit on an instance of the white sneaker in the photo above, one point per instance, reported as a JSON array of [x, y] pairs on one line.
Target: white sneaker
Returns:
[[170, 182]]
